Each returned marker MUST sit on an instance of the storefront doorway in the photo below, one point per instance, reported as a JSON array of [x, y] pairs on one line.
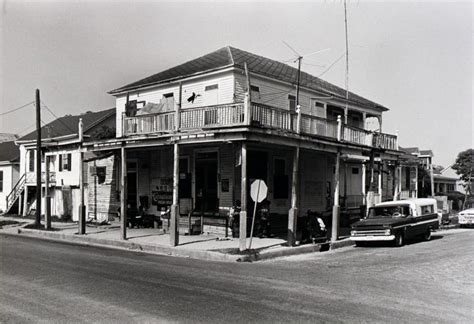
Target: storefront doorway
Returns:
[[206, 182]]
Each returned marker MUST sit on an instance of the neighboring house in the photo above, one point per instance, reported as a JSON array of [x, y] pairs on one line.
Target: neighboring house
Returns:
[[447, 180], [62, 140], [9, 171], [230, 117]]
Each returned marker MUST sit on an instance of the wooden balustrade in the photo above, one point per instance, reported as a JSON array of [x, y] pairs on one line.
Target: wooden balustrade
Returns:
[[212, 116], [260, 116], [385, 141], [313, 125], [31, 177], [267, 116], [357, 135], [150, 123]]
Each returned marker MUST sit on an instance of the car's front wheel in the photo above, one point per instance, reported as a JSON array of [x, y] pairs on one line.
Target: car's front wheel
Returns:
[[399, 240], [427, 235]]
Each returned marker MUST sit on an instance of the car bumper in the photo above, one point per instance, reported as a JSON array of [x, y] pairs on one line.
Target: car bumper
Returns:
[[372, 238], [465, 221]]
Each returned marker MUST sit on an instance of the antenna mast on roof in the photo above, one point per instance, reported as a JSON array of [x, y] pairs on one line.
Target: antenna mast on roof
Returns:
[[299, 58], [347, 62]]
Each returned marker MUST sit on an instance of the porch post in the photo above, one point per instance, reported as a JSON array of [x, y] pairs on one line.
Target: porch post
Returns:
[[293, 213], [380, 180], [47, 199], [25, 201], [174, 233], [416, 182], [20, 204], [247, 98], [123, 194], [82, 214], [336, 208], [243, 200], [363, 182], [396, 182]]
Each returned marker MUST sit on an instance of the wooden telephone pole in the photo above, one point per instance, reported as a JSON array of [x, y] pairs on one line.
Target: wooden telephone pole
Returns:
[[38, 160]]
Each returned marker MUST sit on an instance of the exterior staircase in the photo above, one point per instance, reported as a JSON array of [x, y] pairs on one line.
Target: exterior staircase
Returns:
[[15, 193]]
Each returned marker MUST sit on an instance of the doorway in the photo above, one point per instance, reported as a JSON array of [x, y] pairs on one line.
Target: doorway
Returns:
[[132, 188], [206, 182]]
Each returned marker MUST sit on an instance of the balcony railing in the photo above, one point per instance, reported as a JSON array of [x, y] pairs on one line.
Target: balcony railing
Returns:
[[31, 177], [257, 115], [212, 116]]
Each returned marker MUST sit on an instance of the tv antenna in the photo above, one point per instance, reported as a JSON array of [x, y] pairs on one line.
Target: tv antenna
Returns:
[[298, 59]]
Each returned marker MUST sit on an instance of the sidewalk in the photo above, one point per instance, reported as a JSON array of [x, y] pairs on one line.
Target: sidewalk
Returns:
[[149, 240]]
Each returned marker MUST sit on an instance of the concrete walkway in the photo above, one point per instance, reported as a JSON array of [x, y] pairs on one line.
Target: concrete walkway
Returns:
[[204, 246]]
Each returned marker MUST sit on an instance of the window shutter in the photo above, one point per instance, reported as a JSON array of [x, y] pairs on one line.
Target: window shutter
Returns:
[[60, 162], [69, 162]]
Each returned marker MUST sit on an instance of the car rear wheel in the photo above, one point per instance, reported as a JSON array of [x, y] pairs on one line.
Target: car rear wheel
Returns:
[[427, 235], [399, 241]]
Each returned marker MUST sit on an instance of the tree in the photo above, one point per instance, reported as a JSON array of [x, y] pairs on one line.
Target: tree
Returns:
[[463, 167]]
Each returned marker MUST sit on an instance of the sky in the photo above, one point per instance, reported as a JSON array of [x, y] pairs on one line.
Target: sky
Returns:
[[416, 58]]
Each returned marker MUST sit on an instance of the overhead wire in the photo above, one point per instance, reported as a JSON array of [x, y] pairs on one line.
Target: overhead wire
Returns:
[[15, 109], [59, 119]]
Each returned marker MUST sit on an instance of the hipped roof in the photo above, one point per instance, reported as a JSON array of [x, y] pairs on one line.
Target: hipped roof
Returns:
[[233, 57]]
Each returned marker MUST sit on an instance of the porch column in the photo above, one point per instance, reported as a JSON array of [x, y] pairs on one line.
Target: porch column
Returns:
[[293, 213], [336, 208], [25, 201], [20, 204], [82, 215], [174, 234], [363, 183], [396, 182], [432, 179], [416, 182], [380, 181], [47, 199], [123, 194], [243, 200], [364, 118], [346, 113]]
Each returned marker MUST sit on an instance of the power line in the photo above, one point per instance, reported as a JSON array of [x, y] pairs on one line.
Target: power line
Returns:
[[52, 113], [13, 110], [332, 64]]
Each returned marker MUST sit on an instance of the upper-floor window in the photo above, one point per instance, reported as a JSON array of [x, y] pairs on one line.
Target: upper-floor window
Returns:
[[168, 101], [1, 181], [292, 102], [211, 96], [254, 92], [31, 161], [65, 162]]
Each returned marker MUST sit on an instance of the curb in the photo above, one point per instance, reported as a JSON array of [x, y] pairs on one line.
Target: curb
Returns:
[[167, 250], [124, 245], [341, 244]]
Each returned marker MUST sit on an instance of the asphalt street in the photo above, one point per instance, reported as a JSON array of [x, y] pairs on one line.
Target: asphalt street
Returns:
[[420, 282]]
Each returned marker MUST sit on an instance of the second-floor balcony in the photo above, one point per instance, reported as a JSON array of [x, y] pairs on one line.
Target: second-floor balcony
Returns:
[[257, 115]]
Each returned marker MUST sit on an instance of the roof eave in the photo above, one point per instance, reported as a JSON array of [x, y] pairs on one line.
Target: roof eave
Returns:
[[126, 89]]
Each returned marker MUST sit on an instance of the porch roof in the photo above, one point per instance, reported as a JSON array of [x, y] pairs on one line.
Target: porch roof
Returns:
[[230, 56]]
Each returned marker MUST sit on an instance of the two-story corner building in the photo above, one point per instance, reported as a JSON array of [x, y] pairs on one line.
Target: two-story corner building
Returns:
[[195, 136], [9, 171], [61, 144]]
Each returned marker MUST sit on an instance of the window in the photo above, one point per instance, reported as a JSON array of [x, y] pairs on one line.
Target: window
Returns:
[[255, 92], [280, 179], [31, 164], [1, 181], [292, 102], [355, 170], [211, 87], [184, 178], [168, 101], [425, 210], [168, 95], [100, 172], [65, 162]]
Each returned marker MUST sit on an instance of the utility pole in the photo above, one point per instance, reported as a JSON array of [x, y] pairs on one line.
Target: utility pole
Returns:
[[38, 160]]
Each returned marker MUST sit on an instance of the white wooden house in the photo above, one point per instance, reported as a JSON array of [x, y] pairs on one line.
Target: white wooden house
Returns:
[[193, 138], [61, 143], [9, 171]]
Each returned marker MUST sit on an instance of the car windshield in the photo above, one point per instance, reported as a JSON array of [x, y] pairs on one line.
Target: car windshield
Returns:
[[389, 211]]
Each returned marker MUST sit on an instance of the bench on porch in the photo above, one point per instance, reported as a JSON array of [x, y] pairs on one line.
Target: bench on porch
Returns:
[[198, 222]]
